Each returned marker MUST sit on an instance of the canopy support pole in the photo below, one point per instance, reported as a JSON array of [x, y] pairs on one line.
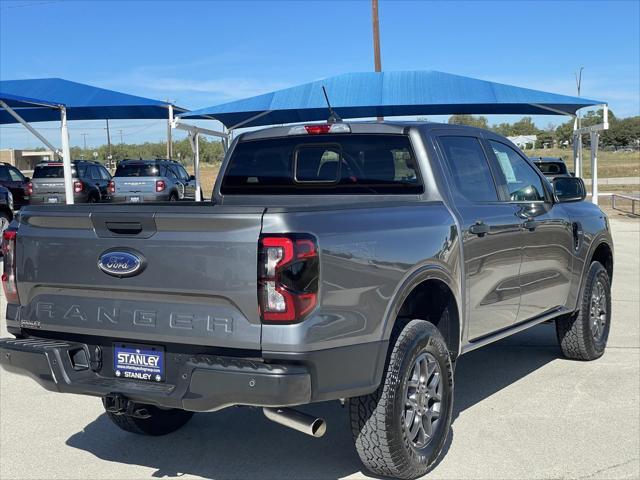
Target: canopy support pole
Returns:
[[24, 123], [169, 139], [577, 150], [250, 119], [594, 136], [194, 140], [195, 147], [66, 156]]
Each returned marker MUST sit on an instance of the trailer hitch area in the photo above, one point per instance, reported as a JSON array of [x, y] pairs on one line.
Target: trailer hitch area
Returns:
[[118, 404]]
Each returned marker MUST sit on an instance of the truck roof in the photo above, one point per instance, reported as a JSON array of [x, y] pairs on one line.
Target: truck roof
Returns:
[[388, 127]]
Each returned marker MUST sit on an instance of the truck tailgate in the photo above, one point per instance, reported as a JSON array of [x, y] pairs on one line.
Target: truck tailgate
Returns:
[[198, 282], [134, 184]]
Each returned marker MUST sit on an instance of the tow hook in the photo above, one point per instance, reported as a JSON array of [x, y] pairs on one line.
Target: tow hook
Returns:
[[118, 404]]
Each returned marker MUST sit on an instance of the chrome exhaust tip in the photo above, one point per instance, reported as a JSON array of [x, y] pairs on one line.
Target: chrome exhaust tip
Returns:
[[314, 426]]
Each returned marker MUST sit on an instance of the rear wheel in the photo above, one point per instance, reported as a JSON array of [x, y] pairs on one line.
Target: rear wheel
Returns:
[[584, 335], [400, 429], [159, 422]]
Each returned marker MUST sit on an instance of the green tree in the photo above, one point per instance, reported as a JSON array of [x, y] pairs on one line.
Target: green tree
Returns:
[[470, 120], [524, 126]]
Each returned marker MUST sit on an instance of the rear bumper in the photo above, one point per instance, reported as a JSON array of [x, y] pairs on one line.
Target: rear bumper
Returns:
[[142, 197], [197, 383], [48, 198]]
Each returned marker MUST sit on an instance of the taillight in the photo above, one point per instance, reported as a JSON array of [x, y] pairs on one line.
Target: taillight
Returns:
[[30, 188], [77, 186], [112, 187], [160, 185], [288, 271], [9, 283]]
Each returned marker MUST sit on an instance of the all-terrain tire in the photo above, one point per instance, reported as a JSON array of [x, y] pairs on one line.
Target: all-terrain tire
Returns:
[[377, 420], [575, 332], [160, 422]]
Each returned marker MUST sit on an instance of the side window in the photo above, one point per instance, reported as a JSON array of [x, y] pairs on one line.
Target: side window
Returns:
[[104, 173], [4, 173], [82, 171], [469, 168], [15, 175], [168, 172], [182, 173], [523, 183]]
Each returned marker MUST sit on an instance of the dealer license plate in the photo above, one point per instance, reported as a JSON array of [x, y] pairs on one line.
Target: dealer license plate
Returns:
[[138, 362]]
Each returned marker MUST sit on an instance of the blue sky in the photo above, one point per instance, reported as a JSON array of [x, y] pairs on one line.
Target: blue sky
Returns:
[[204, 53]]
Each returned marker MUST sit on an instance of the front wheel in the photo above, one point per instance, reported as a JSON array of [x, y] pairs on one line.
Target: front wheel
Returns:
[[584, 335], [159, 421], [400, 430]]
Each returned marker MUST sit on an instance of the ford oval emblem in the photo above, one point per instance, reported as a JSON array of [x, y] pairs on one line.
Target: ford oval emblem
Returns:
[[120, 263]]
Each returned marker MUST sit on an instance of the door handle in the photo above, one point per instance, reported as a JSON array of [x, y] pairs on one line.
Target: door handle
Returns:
[[530, 224], [479, 228]]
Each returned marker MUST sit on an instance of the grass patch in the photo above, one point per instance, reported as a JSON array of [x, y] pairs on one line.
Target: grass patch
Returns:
[[610, 164]]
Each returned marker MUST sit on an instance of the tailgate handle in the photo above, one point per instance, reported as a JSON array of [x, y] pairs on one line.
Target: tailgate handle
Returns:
[[124, 228]]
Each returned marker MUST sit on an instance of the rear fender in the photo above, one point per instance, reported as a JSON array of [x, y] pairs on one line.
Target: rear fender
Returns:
[[420, 274]]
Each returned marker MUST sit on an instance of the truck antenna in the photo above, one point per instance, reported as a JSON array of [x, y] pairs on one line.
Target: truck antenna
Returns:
[[333, 116]]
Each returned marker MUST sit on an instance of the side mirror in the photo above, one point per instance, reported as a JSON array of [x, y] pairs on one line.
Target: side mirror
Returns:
[[569, 189], [27, 179], [192, 178]]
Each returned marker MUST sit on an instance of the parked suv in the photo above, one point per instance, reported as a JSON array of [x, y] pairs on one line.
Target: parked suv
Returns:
[[90, 182], [137, 181], [6, 208], [15, 181]]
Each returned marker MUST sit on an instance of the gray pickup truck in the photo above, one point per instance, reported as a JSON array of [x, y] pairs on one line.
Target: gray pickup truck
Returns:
[[346, 261]]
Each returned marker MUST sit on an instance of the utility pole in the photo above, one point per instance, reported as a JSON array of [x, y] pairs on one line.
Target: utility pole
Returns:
[[108, 144], [376, 40], [84, 139], [120, 131]]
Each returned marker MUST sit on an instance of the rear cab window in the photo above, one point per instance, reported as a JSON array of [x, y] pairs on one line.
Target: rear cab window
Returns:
[[137, 170], [469, 168], [328, 164], [52, 171]]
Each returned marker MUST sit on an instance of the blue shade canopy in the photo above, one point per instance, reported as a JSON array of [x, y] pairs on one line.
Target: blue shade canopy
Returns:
[[30, 99], [361, 95]]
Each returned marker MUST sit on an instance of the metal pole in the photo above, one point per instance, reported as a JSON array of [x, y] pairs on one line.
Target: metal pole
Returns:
[[66, 157], [108, 138], [195, 148], [579, 158], [377, 61], [196, 161], [24, 123], [594, 167], [169, 142]]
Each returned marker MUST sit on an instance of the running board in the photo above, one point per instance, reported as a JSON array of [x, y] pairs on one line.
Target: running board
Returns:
[[499, 335]]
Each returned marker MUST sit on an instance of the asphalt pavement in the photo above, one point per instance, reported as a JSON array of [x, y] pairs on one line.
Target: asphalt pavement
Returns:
[[521, 411]]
